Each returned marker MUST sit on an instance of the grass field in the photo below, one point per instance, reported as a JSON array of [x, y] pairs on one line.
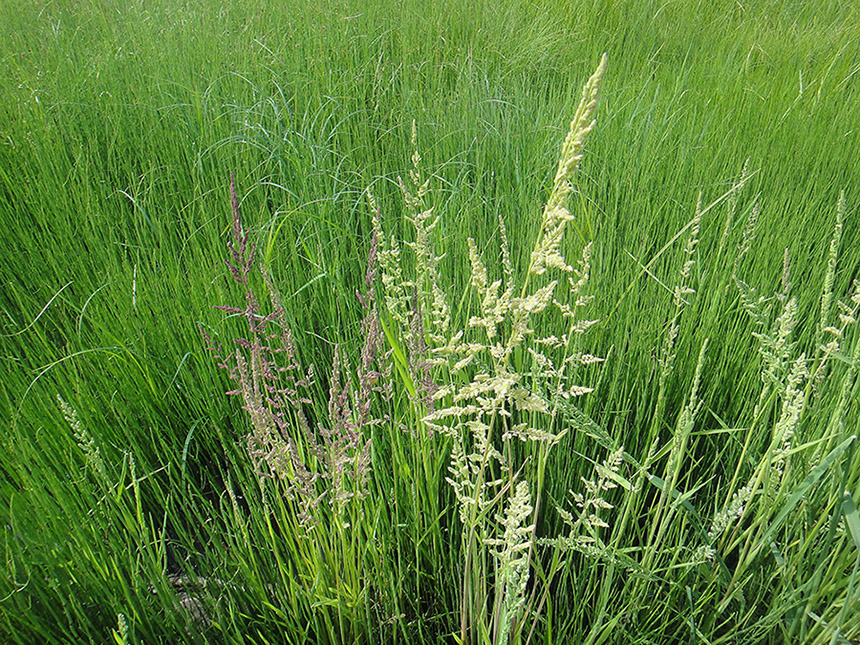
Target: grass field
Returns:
[[696, 485]]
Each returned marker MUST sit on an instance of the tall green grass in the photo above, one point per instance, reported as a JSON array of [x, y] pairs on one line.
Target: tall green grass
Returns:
[[119, 126]]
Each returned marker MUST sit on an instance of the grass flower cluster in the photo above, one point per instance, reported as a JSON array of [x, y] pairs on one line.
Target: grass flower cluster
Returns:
[[494, 397]]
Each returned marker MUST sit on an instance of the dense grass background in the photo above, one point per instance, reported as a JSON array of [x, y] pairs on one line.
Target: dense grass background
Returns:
[[119, 124]]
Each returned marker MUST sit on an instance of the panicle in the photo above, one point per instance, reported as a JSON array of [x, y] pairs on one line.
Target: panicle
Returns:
[[547, 253]]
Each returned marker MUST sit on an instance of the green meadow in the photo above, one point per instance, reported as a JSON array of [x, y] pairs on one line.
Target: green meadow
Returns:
[[629, 416]]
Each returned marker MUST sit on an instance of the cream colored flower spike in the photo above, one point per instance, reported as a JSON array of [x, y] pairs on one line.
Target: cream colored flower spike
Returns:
[[555, 215]]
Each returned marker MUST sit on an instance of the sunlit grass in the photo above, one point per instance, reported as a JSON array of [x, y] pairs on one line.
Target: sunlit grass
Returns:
[[119, 126]]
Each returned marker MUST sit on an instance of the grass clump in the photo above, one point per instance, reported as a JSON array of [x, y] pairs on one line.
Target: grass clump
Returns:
[[492, 398], [492, 401]]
